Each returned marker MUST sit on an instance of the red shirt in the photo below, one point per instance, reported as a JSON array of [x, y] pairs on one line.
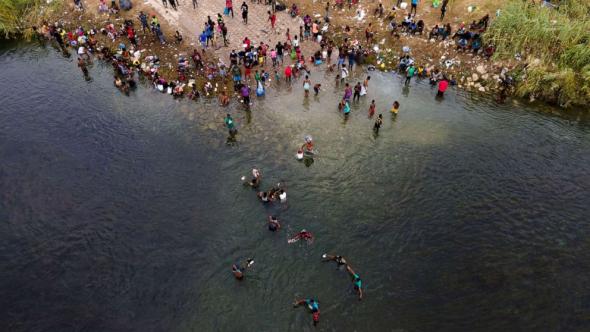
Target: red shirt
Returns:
[[228, 4], [288, 71], [443, 85]]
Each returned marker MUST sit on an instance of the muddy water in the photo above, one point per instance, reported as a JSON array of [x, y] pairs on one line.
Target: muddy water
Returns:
[[125, 213]]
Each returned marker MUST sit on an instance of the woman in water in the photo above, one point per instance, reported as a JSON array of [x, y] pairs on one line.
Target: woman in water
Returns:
[[306, 85], [346, 109], [372, 108]]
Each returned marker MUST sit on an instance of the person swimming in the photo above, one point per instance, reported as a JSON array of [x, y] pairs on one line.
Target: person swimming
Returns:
[[356, 281], [238, 270], [337, 258], [312, 305], [273, 224], [303, 235]]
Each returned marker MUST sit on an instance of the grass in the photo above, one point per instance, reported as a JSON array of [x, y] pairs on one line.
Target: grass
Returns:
[[18, 16], [555, 44]]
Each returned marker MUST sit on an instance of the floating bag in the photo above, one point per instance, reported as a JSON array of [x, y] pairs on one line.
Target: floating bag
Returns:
[[226, 11]]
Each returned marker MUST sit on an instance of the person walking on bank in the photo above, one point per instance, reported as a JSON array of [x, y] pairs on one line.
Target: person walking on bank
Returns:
[[414, 7], [230, 7], [244, 8], [443, 9], [273, 19]]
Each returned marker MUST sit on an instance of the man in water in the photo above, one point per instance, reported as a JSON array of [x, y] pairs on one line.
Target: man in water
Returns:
[[256, 177], [356, 281], [313, 305], [378, 124], [337, 258], [273, 224], [316, 88], [229, 123], [410, 73], [246, 95], [357, 92], [82, 66], [238, 270]]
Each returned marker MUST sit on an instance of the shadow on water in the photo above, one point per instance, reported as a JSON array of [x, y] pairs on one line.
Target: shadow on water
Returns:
[[126, 213]]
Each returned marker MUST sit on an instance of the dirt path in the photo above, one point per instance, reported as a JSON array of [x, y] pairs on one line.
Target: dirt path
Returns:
[[191, 21]]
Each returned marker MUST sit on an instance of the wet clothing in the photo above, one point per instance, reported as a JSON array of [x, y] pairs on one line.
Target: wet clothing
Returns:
[[356, 280], [312, 305]]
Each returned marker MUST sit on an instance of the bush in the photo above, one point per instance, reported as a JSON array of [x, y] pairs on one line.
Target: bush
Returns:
[[558, 38]]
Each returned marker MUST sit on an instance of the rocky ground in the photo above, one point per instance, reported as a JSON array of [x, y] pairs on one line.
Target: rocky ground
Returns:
[[471, 72]]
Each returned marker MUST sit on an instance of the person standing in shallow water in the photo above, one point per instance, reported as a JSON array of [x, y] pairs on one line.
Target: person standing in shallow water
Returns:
[[378, 124], [347, 92], [372, 108], [83, 67], [306, 85], [357, 92], [409, 74]]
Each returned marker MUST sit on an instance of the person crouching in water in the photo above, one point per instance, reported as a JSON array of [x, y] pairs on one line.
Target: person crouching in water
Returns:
[[238, 270]]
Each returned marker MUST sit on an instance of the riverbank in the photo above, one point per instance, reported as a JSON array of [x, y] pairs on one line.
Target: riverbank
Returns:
[[491, 70]]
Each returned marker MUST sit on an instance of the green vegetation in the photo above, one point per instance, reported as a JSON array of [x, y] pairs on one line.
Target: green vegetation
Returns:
[[555, 44], [17, 16]]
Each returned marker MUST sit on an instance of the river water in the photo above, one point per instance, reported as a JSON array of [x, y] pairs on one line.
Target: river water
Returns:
[[125, 213]]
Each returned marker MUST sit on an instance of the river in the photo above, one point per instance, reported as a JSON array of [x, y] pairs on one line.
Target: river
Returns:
[[125, 213]]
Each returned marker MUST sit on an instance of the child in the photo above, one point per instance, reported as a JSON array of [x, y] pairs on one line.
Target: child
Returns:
[[395, 107], [316, 88], [372, 108]]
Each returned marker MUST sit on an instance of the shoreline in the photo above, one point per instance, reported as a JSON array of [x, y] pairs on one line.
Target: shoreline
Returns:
[[469, 72]]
